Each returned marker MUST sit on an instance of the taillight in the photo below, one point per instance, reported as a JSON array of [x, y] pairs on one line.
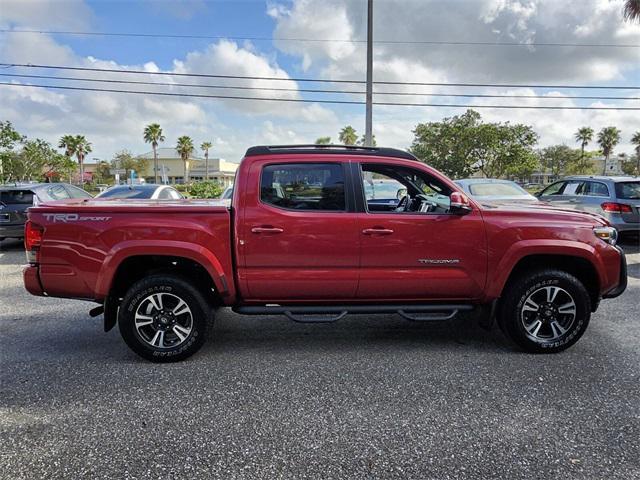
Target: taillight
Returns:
[[32, 240], [613, 207]]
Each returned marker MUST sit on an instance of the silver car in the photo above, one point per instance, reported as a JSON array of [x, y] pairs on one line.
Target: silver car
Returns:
[[615, 198]]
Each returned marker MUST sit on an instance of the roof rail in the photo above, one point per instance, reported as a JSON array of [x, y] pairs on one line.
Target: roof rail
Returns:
[[334, 149]]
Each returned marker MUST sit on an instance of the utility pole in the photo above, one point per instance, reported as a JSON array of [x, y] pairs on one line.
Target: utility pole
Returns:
[[368, 131]]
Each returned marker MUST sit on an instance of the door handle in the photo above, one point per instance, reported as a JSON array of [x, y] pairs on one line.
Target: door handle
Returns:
[[377, 231], [266, 230]]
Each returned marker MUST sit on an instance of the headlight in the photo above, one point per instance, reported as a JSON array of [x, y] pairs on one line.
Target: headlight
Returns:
[[608, 234]]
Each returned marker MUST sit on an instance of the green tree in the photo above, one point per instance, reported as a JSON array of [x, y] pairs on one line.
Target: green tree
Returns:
[[461, 145], [83, 146], [348, 135], [205, 148], [635, 140], [560, 160], [373, 141], [185, 149], [631, 10], [205, 190], [153, 135], [583, 136], [9, 138], [608, 138], [323, 141], [103, 172], [125, 160]]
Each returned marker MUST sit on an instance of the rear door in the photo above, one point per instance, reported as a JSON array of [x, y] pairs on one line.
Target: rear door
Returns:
[[429, 254], [299, 235], [591, 195]]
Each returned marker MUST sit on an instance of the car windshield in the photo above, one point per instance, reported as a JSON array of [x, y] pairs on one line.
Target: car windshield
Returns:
[[16, 197], [128, 192], [628, 190], [497, 190]]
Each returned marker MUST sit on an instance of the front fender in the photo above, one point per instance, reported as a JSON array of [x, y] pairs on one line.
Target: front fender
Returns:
[[196, 253], [525, 248]]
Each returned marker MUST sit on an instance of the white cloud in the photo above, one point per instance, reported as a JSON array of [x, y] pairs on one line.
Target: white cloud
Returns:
[[45, 14]]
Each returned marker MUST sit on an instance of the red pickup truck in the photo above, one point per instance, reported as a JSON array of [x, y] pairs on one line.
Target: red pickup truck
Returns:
[[310, 234]]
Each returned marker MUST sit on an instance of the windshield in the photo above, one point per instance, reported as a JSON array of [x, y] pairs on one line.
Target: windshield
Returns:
[[628, 190], [126, 192], [497, 190]]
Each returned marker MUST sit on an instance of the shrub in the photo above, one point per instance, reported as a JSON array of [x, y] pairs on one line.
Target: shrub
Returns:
[[205, 190]]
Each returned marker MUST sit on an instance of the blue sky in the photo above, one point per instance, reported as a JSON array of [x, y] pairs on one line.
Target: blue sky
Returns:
[[115, 121]]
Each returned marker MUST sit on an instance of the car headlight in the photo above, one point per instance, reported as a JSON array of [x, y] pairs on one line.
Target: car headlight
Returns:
[[608, 234]]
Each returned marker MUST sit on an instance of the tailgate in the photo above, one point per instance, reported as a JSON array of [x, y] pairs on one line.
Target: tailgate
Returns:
[[14, 205]]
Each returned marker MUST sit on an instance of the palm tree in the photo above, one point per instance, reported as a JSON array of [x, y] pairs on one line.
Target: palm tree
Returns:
[[153, 135], [348, 135], [584, 135], [205, 148], [636, 141], [631, 10], [82, 147], [185, 149], [68, 143], [608, 138]]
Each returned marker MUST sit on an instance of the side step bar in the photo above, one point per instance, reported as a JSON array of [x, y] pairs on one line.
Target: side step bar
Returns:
[[333, 313]]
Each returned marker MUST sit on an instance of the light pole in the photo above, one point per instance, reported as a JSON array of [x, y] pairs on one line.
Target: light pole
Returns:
[[368, 131]]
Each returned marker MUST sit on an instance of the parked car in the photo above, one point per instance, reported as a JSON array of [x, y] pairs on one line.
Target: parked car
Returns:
[[380, 193], [615, 198], [16, 199], [305, 243], [496, 190], [147, 191]]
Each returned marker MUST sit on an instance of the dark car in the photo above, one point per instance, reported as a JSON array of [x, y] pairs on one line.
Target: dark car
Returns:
[[143, 192], [16, 199]]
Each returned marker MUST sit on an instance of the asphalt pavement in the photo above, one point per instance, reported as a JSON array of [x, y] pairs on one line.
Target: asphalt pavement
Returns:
[[368, 397]]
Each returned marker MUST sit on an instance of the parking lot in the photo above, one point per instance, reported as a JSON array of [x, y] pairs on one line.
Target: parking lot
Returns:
[[367, 397]]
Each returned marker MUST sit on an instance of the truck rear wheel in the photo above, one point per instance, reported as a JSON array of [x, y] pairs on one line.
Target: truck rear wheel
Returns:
[[545, 311], [163, 318]]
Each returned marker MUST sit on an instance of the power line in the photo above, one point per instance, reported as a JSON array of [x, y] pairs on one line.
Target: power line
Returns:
[[318, 80], [324, 40], [313, 90], [300, 100]]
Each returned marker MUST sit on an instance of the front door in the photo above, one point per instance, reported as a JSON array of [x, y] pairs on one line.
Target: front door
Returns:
[[299, 239], [417, 249]]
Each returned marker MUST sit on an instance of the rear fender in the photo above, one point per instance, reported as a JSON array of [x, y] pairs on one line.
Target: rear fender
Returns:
[[193, 252]]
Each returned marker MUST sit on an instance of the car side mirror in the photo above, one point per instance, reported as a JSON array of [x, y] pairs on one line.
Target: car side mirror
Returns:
[[459, 203]]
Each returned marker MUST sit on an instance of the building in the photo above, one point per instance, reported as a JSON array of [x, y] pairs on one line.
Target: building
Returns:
[[612, 167], [170, 164]]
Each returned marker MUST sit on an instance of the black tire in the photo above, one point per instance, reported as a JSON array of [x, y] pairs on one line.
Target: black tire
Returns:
[[555, 325], [159, 334]]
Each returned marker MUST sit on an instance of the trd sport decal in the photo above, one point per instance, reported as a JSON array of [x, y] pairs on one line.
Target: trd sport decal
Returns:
[[72, 217]]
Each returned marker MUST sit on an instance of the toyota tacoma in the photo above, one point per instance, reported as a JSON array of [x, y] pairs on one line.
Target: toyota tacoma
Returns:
[[309, 235]]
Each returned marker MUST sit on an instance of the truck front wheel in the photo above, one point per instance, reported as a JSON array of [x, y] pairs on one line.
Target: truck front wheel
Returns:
[[545, 311], [163, 318]]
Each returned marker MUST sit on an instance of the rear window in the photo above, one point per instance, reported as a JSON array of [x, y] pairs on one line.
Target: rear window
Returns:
[[496, 190], [304, 186], [628, 190], [128, 193], [16, 197]]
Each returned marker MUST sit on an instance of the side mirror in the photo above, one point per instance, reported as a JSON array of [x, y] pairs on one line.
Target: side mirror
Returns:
[[460, 204], [402, 192]]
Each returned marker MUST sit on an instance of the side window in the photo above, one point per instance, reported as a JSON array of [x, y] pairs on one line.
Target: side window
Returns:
[[595, 189], [394, 189], [58, 192], [312, 186], [572, 188], [174, 194], [554, 189], [164, 194]]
